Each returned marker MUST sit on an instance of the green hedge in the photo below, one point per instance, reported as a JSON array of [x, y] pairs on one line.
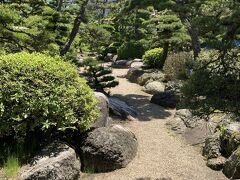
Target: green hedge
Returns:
[[153, 57], [39, 91], [130, 50]]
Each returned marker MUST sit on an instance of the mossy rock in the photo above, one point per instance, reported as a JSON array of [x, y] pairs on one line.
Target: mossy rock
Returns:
[[149, 77], [230, 138], [232, 166]]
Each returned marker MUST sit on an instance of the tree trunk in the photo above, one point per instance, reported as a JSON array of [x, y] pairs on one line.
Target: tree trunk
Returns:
[[78, 20], [164, 56], [59, 5], [196, 46]]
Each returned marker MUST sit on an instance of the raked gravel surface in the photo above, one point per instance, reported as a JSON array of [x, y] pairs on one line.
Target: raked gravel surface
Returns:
[[161, 154]]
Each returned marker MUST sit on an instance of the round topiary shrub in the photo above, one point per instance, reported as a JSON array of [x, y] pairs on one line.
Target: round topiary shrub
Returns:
[[39, 91], [153, 57], [130, 50]]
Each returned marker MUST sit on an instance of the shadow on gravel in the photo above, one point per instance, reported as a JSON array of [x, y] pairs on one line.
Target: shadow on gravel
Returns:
[[147, 178], [146, 110]]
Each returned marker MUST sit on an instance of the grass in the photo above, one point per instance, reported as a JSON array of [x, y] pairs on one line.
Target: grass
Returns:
[[89, 169], [11, 166]]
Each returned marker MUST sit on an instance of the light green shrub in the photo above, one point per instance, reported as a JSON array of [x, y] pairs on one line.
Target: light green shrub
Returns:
[[11, 166], [39, 91], [153, 57]]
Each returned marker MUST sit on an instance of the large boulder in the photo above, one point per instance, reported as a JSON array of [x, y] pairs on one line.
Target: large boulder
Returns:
[[165, 99], [109, 148], [148, 77], [55, 162], [212, 147], [232, 166], [121, 108], [154, 87], [231, 138], [133, 74], [103, 106], [122, 64]]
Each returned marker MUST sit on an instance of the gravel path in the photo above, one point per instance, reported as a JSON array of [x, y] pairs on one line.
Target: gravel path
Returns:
[[161, 154]]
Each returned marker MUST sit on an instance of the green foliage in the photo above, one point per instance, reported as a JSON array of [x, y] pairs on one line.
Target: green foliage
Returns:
[[39, 91], [98, 77], [153, 57], [130, 50], [178, 65], [34, 26], [11, 166], [95, 36], [215, 83], [112, 48]]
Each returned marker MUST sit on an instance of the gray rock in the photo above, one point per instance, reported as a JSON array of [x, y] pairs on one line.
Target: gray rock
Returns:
[[133, 74], [137, 60], [181, 121], [103, 106], [55, 162], [165, 99], [218, 120], [154, 87], [187, 117], [232, 166], [137, 64], [120, 108], [150, 77], [212, 147], [109, 148], [174, 86], [176, 124], [216, 163], [231, 138], [184, 113], [122, 64], [109, 57], [115, 57]]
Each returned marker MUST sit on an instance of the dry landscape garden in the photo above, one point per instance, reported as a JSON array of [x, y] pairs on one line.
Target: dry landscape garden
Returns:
[[119, 89]]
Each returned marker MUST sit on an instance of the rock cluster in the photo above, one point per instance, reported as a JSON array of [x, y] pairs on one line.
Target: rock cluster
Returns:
[[225, 142], [104, 148]]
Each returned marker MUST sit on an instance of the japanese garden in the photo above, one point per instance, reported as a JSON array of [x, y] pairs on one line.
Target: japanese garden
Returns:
[[119, 89]]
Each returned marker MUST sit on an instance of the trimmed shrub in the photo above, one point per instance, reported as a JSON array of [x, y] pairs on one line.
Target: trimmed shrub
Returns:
[[42, 92], [130, 50], [179, 65], [98, 77], [153, 57]]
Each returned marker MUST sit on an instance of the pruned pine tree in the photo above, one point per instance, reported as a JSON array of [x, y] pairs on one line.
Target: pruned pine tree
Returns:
[[99, 77]]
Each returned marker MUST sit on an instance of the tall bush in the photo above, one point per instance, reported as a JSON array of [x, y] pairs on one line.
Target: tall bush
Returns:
[[39, 91], [215, 83], [179, 65], [130, 50]]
